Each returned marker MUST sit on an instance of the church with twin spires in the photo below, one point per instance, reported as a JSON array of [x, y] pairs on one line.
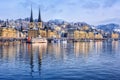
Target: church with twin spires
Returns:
[[36, 31], [32, 25]]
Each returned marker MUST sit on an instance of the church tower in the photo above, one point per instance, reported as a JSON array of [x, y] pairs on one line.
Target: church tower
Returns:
[[39, 20], [32, 33], [31, 25]]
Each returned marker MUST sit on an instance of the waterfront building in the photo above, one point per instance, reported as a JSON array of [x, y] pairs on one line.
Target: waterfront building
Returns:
[[58, 31], [98, 36], [7, 31], [51, 34], [91, 35], [115, 35], [44, 32], [83, 32], [70, 33], [85, 28]]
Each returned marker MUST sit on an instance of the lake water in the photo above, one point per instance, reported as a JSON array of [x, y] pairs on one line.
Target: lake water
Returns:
[[72, 61]]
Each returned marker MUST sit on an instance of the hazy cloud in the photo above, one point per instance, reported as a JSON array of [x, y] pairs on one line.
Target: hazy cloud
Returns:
[[110, 3], [91, 5], [91, 11]]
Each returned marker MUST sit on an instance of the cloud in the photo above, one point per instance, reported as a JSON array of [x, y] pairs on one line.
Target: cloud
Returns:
[[91, 11], [27, 4], [91, 5], [94, 4], [110, 3], [44, 5]]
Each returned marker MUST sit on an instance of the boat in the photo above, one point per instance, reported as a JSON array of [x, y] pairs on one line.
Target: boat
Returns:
[[64, 41], [37, 40], [55, 41], [91, 40]]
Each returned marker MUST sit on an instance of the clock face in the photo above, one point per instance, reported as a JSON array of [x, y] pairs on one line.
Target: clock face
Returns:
[[31, 25], [39, 24]]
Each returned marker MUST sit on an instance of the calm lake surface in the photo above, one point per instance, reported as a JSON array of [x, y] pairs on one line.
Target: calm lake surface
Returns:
[[72, 61]]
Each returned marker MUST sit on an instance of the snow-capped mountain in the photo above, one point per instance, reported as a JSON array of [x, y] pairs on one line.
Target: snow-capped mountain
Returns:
[[109, 27]]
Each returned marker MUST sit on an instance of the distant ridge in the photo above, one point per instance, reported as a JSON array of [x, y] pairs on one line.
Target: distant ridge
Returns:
[[109, 27]]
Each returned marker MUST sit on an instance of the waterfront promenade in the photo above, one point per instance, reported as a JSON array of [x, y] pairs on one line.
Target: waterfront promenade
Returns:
[[13, 41]]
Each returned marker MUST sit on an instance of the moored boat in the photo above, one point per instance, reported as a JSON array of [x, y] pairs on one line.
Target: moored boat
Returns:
[[64, 41], [56, 41], [37, 40]]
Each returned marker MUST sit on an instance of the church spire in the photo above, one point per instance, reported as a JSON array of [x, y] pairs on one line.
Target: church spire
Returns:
[[39, 16], [31, 17], [39, 20]]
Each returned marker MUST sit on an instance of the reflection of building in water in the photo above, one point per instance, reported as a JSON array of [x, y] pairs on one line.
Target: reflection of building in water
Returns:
[[39, 60], [13, 52], [29, 48], [77, 49], [66, 50], [85, 47], [115, 45], [82, 47], [30, 53], [55, 50], [39, 50], [9, 52], [58, 51], [98, 46], [35, 52]]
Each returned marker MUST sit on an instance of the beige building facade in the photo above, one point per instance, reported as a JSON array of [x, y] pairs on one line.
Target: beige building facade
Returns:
[[8, 33]]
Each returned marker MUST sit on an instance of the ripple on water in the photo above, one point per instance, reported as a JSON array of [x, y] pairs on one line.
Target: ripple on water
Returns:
[[82, 61]]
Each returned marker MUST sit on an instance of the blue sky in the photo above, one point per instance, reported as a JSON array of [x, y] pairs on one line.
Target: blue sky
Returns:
[[91, 11]]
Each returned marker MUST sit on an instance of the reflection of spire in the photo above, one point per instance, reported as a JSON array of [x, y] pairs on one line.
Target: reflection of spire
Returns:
[[39, 16], [31, 63], [39, 61], [31, 58], [31, 17]]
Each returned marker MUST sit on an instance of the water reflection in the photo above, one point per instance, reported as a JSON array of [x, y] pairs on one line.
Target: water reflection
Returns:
[[36, 51], [115, 45], [83, 48], [57, 51], [35, 59]]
